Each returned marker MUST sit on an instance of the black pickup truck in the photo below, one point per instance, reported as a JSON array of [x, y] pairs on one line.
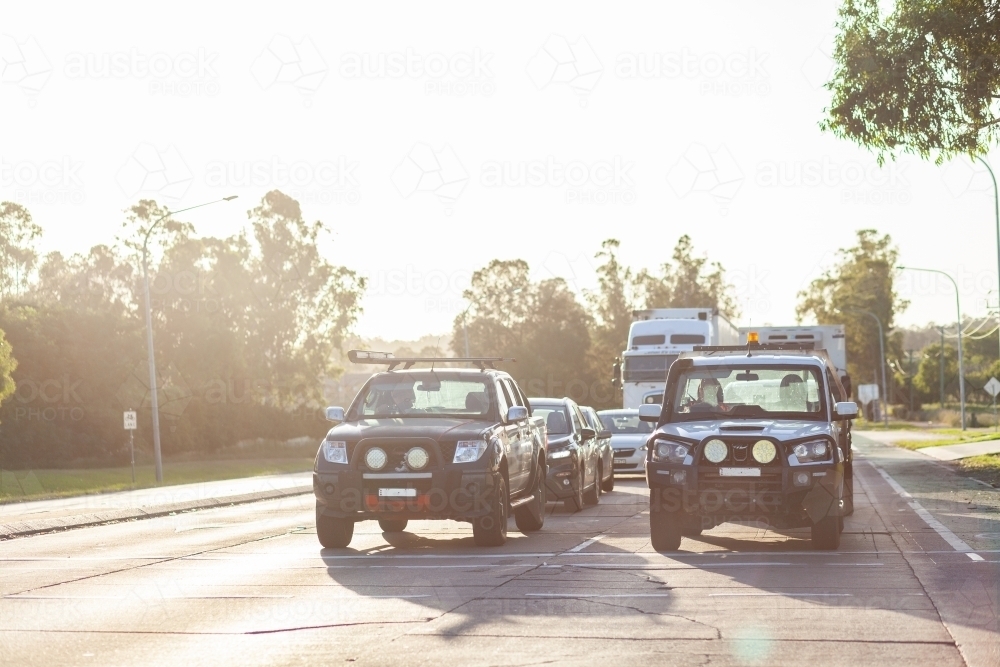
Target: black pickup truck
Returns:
[[431, 443]]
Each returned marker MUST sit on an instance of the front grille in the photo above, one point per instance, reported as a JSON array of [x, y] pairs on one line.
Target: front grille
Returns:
[[624, 453], [740, 494]]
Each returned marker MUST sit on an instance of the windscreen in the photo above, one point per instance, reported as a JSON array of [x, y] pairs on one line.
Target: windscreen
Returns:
[[647, 368], [713, 392], [426, 396], [628, 424]]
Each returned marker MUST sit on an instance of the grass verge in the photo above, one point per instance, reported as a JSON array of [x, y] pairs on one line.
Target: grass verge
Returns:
[[955, 439], [20, 485], [985, 468]]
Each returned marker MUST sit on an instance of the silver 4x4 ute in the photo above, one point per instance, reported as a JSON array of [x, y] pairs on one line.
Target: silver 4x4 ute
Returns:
[[431, 443], [754, 433]]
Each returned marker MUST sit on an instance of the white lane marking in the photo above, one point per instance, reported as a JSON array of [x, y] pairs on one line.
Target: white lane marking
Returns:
[[655, 566], [584, 545], [596, 595], [781, 595], [951, 538]]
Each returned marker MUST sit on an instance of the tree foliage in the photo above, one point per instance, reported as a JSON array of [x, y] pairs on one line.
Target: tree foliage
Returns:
[[245, 329], [688, 281], [923, 79], [862, 280]]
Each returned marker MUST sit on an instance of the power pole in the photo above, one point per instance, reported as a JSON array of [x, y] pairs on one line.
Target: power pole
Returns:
[[941, 365], [909, 382]]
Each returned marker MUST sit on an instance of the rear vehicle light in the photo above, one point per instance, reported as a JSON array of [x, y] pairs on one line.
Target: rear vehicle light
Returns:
[[335, 451], [467, 451], [376, 458]]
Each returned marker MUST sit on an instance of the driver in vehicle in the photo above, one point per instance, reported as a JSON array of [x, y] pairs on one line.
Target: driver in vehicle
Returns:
[[400, 400], [710, 393], [792, 393]]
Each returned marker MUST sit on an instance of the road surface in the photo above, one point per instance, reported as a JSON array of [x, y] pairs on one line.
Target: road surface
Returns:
[[915, 582]]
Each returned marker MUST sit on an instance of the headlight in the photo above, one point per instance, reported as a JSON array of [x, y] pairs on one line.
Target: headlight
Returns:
[[764, 451], [335, 451], [376, 458], [561, 454], [468, 451], [668, 450], [716, 451], [417, 458], [811, 452]]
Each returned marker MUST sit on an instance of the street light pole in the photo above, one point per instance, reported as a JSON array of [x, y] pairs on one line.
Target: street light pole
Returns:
[[996, 211], [941, 366], [881, 349], [154, 399], [958, 310]]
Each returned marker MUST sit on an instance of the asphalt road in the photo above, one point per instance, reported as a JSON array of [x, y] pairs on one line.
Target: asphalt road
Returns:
[[250, 585]]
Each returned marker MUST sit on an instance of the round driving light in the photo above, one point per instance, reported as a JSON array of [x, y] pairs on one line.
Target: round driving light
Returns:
[[801, 451], [801, 478], [376, 458], [716, 450], [819, 449], [663, 450], [764, 451], [417, 458]]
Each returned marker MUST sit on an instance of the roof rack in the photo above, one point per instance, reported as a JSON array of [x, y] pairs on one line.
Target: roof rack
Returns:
[[390, 360]]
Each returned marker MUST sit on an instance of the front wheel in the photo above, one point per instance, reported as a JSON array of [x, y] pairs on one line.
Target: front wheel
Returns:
[[826, 533], [491, 530], [530, 516], [665, 529], [333, 532], [593, 495], [575, 502]]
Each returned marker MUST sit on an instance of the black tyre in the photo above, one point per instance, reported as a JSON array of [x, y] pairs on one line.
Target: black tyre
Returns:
[[592, 496], [826, 533], [849, 488], [665, 529], [575, 502], [608, 485], [692, 525], [531, 516], [491, 530], [333, 532], [392, 525]]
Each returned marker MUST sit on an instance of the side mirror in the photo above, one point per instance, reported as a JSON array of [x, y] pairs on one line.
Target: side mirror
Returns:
[[604, 434], [517, 413], [650, 413], [588, 433], [335, 415], [845, 410]]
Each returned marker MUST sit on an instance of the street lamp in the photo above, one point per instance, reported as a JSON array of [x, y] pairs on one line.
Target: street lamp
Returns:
[[958, 309], [881, 349], [996, 210], [149, 332]]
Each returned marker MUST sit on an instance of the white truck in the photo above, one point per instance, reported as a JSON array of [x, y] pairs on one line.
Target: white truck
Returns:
[[829, 337], [657, 336]]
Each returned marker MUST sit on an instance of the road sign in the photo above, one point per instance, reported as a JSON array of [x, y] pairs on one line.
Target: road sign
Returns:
[[993, 387], [867, 393], [130, 421]]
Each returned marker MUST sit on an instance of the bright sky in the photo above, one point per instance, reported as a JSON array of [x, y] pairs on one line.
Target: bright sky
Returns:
[[431, 141]]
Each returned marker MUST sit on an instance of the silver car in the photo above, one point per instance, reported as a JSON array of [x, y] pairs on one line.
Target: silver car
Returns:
[[628, 440]]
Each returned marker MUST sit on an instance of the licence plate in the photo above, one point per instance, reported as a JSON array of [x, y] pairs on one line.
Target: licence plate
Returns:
[[397, 493], [621, 460], [739, 472]]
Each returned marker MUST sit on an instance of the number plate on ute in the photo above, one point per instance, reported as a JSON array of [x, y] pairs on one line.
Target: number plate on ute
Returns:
[[739, 472], [621, 460], [397, 493]]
